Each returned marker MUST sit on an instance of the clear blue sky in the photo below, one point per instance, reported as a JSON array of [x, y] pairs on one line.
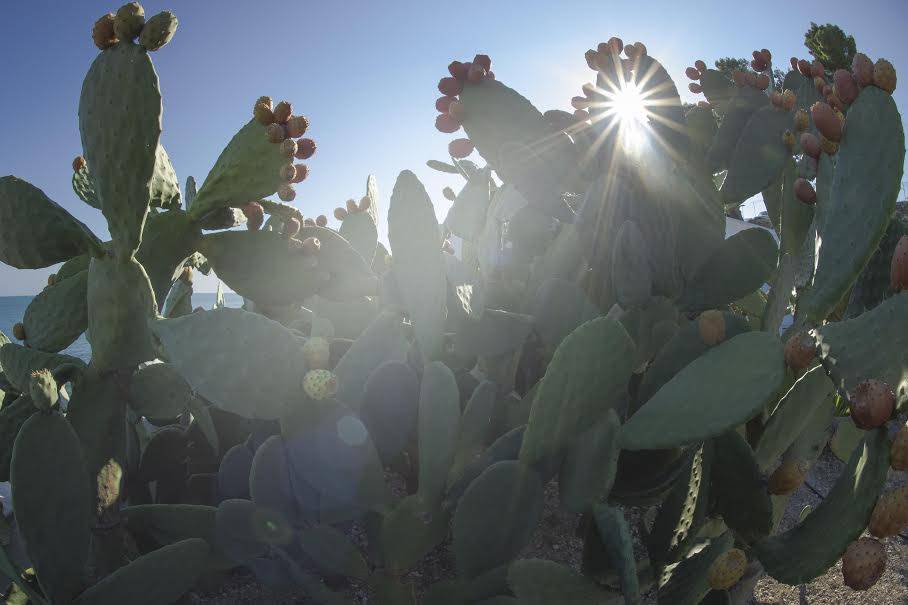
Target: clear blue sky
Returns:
[[365, 74]]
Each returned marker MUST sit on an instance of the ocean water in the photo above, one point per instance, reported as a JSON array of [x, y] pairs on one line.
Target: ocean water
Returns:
[[12, 308]]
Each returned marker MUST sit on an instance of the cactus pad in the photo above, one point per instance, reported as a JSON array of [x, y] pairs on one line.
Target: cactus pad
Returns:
[[57, 316]]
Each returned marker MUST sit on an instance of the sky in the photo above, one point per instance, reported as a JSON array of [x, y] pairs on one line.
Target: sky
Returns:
[[365, 74]]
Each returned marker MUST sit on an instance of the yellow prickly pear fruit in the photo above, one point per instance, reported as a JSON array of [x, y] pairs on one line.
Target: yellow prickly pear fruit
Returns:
[[711, 325], [19, 331], [43, 389], [801, 120], [283, 111], [158, 31], [890, 515], [788, 477], [727, 569], [898, 455], [263, 114], [884, 75], [129, 20], [103, 32], [317, 352], [319, 384], [789, 99], [863, 563], [828, 147]]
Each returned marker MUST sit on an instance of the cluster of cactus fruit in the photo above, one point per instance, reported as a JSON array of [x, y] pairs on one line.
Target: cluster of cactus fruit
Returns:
[[596, 329]]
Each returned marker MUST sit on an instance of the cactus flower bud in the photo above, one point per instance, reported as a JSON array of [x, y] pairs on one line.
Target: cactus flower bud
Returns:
[[288, 148], [158, 31], [476, 74], [884, 75], [817, 70], [872, 403], [863, 563], [286, 192], [695, 88], [129, 20], [458, 70], [305, 149], [317, 353], [456, 110], [826, 121], [255, 215], [263, 114], [810, 145], [78, 163], [103, 33], [862, 70], [365, 203], [340, 214], [898, 269], [443, 103], [727, 569], [321, 220], [283, 111], [291, 227], [310, 246], [801, 120], [788, 139], [700, 65], [804, 68], [460, 148], [19, 331], [43, 390], [300, 172], [449, 194], [276, 133], [483, 61], [450, 87], [446, 123], [804, 191], [692, 73], [845, 86], [319, 384], [351, 207], [898, 453]]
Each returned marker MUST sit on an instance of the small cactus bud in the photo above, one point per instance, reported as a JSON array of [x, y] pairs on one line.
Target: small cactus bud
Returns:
[[800, 352], [695, 88], [692, 73], [300, 172], [898, 269], [456, 110], [321, 220], [305, 149], [817, 70], [884, 75], [446, 123], [450, 87], [158, 31], [283, 112], [711, 326], [460, 148], [317, 353], [448, 193], [443, 103], [276, 133], [804, 192], [288, 148], [483, 61], [255, 215], [739, 77], [863, 563], [291, 227], [351, 207], [365, 203], [810, 145], [788, 139], [476, 74], [19, 331], [288, 172], [319, 384], [310, 246], [789, 100], [78, 163], [129, 20], [890, 515], [801, 120], [700, 65], [826, 121], [898, 454], [297, 126], [862, 70], [872, 403], [828, 147], [458, 70], [616, 45], [788, 477], [762, 81], [43, 390], [804, 68], [286, 192], [727, 569], [340, 214], [845, 86], [103, 33], [263, 114]]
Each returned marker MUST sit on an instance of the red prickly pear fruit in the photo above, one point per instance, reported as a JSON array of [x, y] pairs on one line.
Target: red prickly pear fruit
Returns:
[[810, 145], [442, 103], [102, 33], [476, 74], [800, 351], [692, 73], [321, 220], [863, 563], [616, 45], [898, 453], [788, 477], [450, 87], [305, 148], [78, 163], [711, 326], [762, 81], [819, 83], [283, 111], [758, 65], [826, 121], [890, 515], [287, 193], [695, 88], [898, 269], [288, 148], [804, 68], [460, 148], [340, 214], [297, 126], [872, 403], [255, 215], [449, 194], [801, 120], [365, 203], [804, 191], [836, 103], [788, 139], [581, 116], [456, 111], [276, 133], [446, 123], [300, 172], [700, 65], [263, 114], [490, 75], [884, 76], [311, 245], [291, 227], [19, 331], [129, 20], [845, 86], [580, 103], [862, 69], [457, 70], [484, 61], [739, 77], [794, 63], [817, 69], [351, 207], [288, 172], [767, 56]]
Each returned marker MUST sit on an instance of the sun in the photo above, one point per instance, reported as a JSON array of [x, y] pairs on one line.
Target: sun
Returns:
[[628, 105]]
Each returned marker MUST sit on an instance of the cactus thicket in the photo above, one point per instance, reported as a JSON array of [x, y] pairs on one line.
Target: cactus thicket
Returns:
[[595, 328]]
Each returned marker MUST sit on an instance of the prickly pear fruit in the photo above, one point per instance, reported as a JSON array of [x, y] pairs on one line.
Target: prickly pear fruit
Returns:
[[898, 268], [263, 114], [615, 44], [788, 477], [890, 515], [129, 20], [884, 75], [158, 31], [43, 389], [288, 148], [255, 215], [319, 384], [762, 81], [711, 326], [483, 61], [700, 65], [276, 133], [804, 191], [739, 77], [340, 214], [78, 163], [103, 33], [266, 100], [727, 569], [443, 103], [862, 69], [458, 70], [288, 171], [775, 97], [297, 125], [826, 121], [365, 203], [804, 68], [582, 102], [695, 88], [446, 123], [321, 220], [300, 172], [19, 331], [845, 86], [872, 403], [794, 63], [317, 352], [581, 116], [810, 145], [692, 73], [283, 111], [476, 73], [310, 246], [351, 206], [863, 563], [291, 227], [801, 120], [898, 454], [460, 148], [817, 70], [305, 149], [51, 279], [287, 193], [448, 193], [788, 139], [789, 99], [450, 87]]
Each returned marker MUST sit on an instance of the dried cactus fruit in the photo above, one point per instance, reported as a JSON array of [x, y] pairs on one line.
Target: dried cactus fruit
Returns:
[[727, 569], [319, 384], [884, 75], [317, 352], [103, 33], [129, 20], [43, 390], [283, 112], [788, 477], [890, 515], [872, 403], [300, 172], [276, 133], [305, 149], [804, 191], [297, 126], [862, 69], [286, 193], [898, 454], [711, 327], [863, 563], [158, 31], [288, 148], [460, 148], [19, 331], [898, 268], [450, 87], [263, 114]]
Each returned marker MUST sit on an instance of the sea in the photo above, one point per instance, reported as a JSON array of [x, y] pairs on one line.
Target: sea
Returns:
[[12, 308]]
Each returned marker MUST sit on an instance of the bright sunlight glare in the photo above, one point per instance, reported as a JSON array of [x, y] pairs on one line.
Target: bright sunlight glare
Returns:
[[629, 106]]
